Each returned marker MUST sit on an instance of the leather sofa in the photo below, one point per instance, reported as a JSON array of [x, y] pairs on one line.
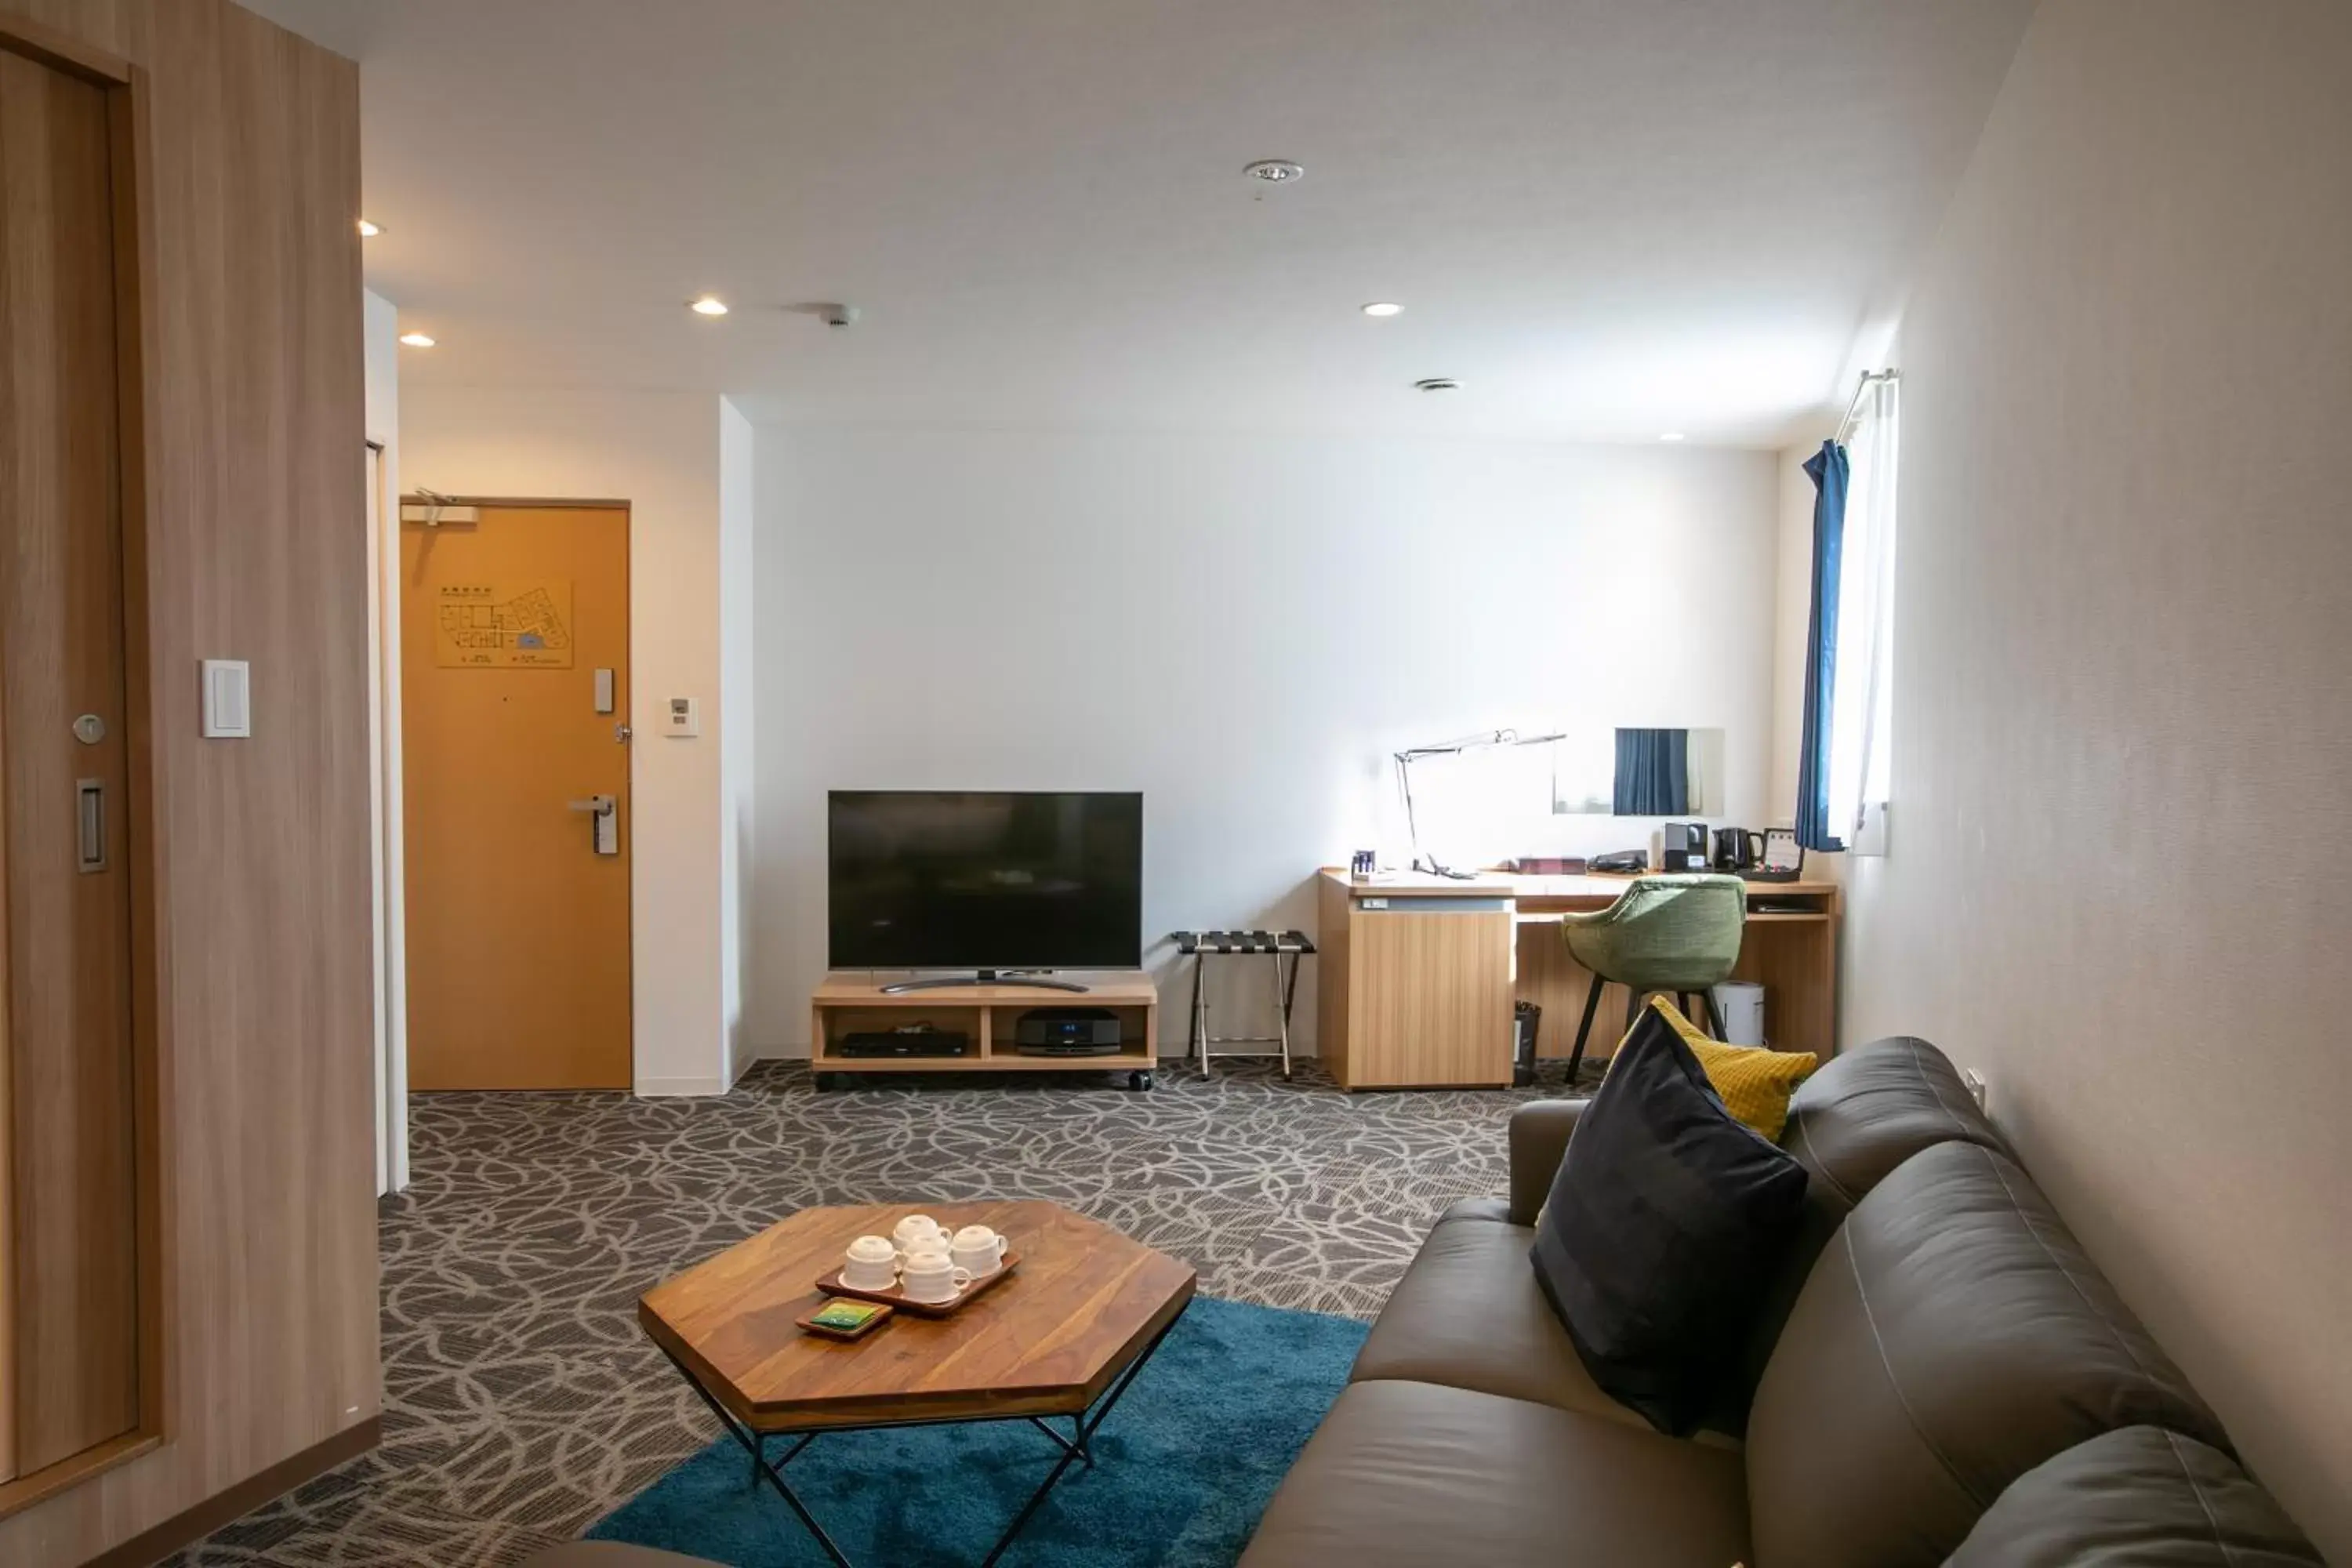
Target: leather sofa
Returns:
[[1942, 1377]]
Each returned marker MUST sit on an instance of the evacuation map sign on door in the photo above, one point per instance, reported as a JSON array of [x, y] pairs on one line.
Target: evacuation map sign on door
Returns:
[[503, 626]]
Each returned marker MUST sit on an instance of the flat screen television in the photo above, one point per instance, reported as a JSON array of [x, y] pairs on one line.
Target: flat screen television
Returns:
[[984, 880]]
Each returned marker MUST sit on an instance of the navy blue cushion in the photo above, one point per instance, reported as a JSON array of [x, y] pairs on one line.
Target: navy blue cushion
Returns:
[[1663, 1229]]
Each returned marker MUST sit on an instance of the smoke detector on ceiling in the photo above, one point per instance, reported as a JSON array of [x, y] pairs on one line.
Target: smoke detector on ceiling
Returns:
[[829, 312], [1275, 171]]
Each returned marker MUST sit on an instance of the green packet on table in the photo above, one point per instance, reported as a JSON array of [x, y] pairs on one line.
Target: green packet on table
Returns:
[[845, 1314]]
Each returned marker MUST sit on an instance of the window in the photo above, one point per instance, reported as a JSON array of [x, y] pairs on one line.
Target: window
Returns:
[[1849, 680]]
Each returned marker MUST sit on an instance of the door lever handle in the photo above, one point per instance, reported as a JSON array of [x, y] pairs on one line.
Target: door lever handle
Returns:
[[603, 821]]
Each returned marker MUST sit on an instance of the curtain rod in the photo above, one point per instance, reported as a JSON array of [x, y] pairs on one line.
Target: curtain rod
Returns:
[[1869, 378]]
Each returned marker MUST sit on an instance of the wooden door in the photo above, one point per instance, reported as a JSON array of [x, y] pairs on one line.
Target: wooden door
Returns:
[[1430, 999], [518, 924], [69, 1354]]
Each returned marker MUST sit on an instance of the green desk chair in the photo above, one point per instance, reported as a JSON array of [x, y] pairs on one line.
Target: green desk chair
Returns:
[[1678, 933]]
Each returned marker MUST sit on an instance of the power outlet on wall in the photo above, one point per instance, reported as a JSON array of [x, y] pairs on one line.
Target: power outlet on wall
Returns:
[[1976, 1082]]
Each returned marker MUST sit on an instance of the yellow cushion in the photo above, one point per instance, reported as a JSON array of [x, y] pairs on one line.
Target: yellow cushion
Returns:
[[1753, 1083]]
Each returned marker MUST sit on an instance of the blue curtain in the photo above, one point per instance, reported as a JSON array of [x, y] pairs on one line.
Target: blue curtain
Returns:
[[1653, 773], [1828, 470]]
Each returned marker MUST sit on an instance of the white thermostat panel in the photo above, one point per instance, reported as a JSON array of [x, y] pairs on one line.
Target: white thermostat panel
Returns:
[[682, 719]]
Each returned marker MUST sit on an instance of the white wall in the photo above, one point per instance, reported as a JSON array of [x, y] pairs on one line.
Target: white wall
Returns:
[[381, 324], [1241, 629], [2123, 662], [737, 608], [660, 452]]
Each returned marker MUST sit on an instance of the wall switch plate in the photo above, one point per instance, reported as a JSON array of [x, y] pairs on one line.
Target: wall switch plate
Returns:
[[1974, 1081], [228, 699], [682, 719]]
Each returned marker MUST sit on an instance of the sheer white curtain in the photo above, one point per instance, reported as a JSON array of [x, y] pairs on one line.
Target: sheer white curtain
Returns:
[[1863, 692]]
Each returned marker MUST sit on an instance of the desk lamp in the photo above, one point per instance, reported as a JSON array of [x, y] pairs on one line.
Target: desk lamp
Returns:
[[1454, 748]]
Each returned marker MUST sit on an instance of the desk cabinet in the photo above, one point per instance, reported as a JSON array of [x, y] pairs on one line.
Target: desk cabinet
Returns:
[[1417, 975], [1429, 994]]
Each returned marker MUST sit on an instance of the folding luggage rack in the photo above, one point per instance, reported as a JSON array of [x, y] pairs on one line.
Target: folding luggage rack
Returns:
[[1200, 945]]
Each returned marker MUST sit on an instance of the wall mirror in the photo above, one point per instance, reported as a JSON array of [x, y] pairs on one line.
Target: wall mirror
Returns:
[[1635, 771]]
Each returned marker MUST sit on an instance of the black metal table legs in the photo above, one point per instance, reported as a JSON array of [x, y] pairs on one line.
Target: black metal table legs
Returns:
[[1079, 1448]]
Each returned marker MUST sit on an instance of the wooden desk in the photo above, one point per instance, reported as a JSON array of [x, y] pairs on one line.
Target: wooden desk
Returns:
[[1417, 974]]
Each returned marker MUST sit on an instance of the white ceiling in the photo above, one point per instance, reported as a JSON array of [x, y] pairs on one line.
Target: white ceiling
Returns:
[[1609, 219]]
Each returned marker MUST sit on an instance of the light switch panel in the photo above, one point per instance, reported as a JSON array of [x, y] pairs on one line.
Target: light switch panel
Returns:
[[682, 719], [228, 699]]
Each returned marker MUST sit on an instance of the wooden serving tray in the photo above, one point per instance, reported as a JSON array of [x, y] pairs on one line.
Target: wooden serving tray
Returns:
[[896, 1296]]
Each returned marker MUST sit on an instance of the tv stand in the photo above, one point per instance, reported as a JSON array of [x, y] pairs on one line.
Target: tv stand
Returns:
[[985, 1012], [984, 977]]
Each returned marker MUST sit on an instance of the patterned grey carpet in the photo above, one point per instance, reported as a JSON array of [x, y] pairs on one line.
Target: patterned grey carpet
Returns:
[[521, 1402]]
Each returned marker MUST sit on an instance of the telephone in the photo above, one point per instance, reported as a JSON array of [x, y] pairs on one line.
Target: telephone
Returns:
[[1634, 860]]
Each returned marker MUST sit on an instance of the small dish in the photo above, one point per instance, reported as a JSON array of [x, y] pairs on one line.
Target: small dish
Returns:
[[827, 1319]]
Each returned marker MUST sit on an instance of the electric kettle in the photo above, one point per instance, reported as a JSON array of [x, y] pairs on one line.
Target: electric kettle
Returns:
[[1737, 850]]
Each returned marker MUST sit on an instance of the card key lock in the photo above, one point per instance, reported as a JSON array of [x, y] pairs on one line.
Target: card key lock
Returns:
[[603, 821]]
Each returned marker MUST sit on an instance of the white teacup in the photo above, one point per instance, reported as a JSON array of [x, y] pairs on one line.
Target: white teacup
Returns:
[[979, 1249], [872, 1264], [932, 1277], [917, 1229]]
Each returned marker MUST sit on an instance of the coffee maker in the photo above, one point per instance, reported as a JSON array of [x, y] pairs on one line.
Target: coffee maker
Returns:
[[1737, 850], [1683, 846]]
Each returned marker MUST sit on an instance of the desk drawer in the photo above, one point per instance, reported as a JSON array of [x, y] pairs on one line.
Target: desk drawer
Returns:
[[1420, 904], [1429, 998]]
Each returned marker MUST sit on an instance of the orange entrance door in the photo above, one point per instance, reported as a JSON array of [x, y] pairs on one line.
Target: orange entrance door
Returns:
[[514, 647]]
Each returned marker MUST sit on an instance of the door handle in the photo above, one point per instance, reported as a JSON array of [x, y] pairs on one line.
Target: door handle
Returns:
[[603, 821], [90, 825]]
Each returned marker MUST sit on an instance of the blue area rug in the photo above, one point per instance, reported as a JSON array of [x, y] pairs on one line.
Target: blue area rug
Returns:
[[1183, 1467]]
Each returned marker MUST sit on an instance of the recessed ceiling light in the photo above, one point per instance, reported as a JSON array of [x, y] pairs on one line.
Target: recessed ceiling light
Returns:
[[1275, 171], [709, 305], [1383, 307], [1672, 436], [417, 340], [369, 230], [1437, 383]]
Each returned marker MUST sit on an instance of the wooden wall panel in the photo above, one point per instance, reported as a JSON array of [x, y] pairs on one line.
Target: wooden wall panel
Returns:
[[254, 548]]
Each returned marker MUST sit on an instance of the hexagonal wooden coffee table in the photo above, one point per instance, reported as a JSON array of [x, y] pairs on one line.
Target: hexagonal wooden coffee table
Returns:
[[1065, 1335]]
